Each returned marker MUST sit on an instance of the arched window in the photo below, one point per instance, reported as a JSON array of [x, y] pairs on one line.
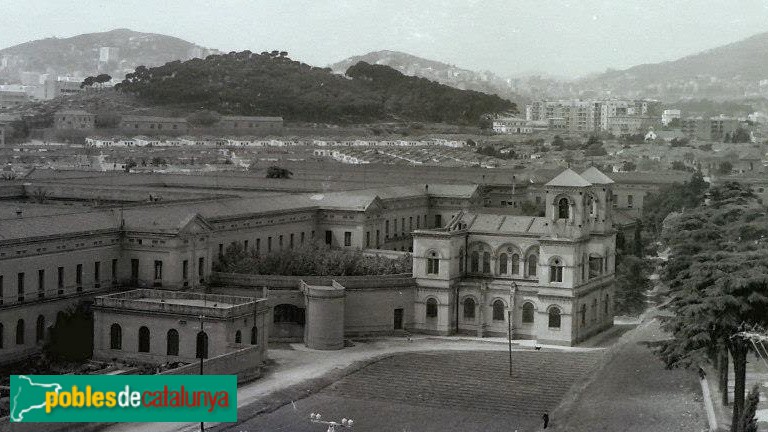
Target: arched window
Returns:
[[469, 308], [515, 264], [556, 270], [144, 339], [583, 314], [474, 262], [527, 313], [115, 337], [172, 342], [532, 263], [40, 328], [563, 208], [20, 332], [554, 317], [498, 310], [254, 335], [201, 346], [238, 337], [503, 263], [486, 262], [431, 308], [461, 261], [607, 304], [595, 266], [433, 263], [594, 309]]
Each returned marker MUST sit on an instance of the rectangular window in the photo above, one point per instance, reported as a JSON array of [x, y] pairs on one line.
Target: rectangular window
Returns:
[[97, 274], [630, 201], [134, 271], [394, 227], [114, 272], [245, 245], [329, 237], [418, 222], [40, 283], [367, 239], [201, 269], [79, 277], [221, 249], [386, 229], [258, 245], [302, 237], [347, 238], [158, 273], [269, 244], [615, 200], [20, 286], [410, 223], [312, 234], [185, 269], [402, 226], [290, 243], [433, 265], [438, 221], [60, 280], [280, 241], [595, 267], [2, 294]]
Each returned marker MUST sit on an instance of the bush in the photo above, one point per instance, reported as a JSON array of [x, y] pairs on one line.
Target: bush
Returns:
[[71, 339], [309, 260]]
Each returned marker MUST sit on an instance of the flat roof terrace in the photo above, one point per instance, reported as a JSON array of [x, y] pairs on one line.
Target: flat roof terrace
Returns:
[[180, 303]]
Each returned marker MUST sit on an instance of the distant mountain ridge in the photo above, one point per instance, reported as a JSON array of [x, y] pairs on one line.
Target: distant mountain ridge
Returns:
[[82, 55], [443, 73], [730, 71]]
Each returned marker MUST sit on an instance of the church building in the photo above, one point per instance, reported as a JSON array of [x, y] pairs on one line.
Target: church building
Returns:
[[547, 278]]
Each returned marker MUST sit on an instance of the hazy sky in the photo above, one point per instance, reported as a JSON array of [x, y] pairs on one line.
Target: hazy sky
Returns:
[[507, 37]]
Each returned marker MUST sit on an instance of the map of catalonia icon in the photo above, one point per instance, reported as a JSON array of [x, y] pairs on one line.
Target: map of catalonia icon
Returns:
[[27, 395]]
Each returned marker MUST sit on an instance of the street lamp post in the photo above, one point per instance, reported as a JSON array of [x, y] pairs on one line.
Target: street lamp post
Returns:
[[202, 424], [512, 290], [345, 422]]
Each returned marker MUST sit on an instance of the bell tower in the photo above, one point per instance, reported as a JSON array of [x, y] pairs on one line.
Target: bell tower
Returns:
[[566, 205], [599, 200]]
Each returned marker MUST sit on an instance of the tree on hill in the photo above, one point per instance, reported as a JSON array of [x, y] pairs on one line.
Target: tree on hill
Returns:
[[271, 84], [672, 198], [741, 135]]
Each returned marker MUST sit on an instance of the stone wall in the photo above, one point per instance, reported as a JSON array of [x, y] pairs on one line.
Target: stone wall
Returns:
[[244, 361]]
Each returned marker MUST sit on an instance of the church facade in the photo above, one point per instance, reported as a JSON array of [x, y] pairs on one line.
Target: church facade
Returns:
[[546, 278]]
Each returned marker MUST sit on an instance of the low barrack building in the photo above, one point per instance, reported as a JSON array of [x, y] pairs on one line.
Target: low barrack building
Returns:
[[161, 326]]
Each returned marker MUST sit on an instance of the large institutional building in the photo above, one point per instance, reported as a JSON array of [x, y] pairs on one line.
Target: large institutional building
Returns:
[[474, 268]]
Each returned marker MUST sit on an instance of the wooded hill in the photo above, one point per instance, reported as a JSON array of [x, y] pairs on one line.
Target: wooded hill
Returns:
[[272, 84]]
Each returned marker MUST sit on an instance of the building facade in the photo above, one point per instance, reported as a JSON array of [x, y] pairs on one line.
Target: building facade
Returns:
[[74, 119], [547, 278]]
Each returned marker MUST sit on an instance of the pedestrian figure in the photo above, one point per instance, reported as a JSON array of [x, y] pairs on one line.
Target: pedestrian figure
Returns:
[[545, 417]]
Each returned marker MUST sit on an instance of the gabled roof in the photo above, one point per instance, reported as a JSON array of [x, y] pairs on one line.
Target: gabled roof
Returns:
[[595, 176], [568, 178]]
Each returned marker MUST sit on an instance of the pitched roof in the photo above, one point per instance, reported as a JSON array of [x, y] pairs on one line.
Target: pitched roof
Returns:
[[503, 224], [568, 178], [595, 176]]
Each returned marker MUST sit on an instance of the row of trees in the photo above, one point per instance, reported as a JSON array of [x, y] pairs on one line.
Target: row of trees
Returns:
[[99, 80], [717, 276], [310, 259], [246, 83]]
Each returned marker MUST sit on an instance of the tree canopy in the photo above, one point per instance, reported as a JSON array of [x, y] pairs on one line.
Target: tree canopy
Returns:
[[718, 278], [246, 83]]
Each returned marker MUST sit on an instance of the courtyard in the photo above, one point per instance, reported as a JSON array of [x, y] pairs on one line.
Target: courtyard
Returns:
[[441, 391]]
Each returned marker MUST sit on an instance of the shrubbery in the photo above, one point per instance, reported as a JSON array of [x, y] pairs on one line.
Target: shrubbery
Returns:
[[309, 260]]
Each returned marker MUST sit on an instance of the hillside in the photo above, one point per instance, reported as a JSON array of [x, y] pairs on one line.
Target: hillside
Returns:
[[407, 64], [727, 72], [246, 83], [82, 55]]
